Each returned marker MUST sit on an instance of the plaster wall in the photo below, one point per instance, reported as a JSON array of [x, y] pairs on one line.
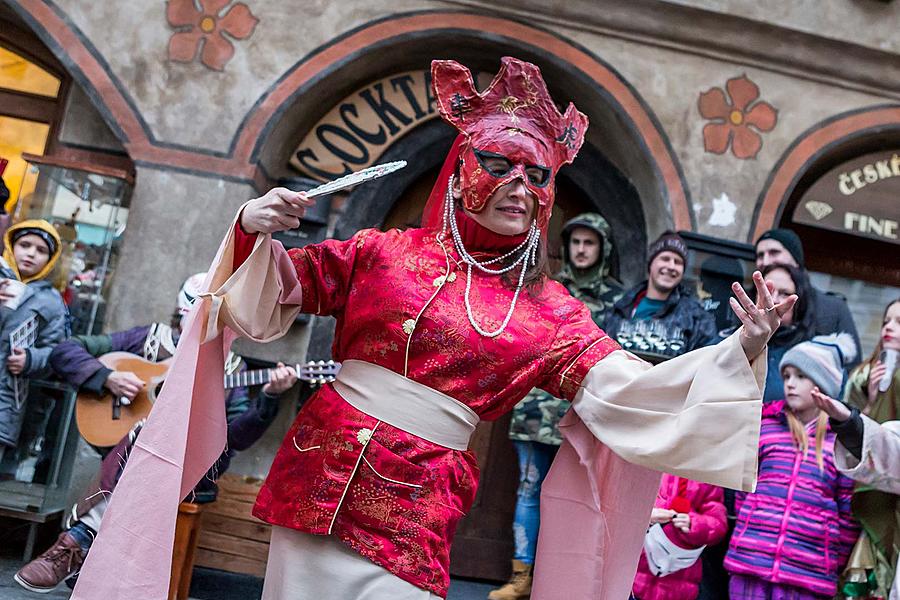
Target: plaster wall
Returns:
[[864, 22], [191, 105], [724, 189]]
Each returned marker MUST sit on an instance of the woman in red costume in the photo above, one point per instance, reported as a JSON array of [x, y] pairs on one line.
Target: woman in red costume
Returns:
[[437, 328]]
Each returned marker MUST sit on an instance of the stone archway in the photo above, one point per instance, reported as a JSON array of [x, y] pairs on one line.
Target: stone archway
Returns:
[[815, 150], [631, 134]]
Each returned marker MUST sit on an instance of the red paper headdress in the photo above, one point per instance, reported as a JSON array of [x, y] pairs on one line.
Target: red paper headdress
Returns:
[[514, 118]]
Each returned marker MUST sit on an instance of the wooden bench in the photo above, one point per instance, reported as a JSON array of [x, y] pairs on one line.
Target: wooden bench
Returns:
[[231, 539]]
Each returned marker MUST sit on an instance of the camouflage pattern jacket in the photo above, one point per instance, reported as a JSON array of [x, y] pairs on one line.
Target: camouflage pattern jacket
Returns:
[[536, 417]]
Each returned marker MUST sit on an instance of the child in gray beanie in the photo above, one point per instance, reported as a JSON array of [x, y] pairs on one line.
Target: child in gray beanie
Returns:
[[801, 500], [822, 359]]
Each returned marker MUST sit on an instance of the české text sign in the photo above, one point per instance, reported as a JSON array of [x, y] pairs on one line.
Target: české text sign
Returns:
[[353, 134], [860, 197]]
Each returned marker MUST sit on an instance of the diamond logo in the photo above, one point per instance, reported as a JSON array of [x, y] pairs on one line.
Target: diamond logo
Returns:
[[819, 210]]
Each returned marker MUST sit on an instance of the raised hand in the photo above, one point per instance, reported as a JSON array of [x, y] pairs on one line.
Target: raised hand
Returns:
[[279, 209], [761, 318], [834, 409]]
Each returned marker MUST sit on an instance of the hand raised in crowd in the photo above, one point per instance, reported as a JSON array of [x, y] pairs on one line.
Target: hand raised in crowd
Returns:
[[124, 384], [279, 209], [876, 374], [16, 360], [834, 409], [682, 521], [661, 515], [760, 319], [282, 378]]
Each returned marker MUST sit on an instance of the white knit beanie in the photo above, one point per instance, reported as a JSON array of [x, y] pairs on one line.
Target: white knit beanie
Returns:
[[822, 359]]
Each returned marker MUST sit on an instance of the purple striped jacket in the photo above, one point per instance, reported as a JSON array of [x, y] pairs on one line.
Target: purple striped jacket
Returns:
[[796, 529]]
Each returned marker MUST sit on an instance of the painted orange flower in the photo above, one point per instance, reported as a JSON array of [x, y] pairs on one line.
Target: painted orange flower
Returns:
[[208, 28], [735, 123]]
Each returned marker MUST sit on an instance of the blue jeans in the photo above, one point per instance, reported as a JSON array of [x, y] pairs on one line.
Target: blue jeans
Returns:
[[534, 462]]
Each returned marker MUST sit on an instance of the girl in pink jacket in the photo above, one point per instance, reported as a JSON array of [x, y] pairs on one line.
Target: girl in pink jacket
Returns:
[[692, 515], [794, 534]]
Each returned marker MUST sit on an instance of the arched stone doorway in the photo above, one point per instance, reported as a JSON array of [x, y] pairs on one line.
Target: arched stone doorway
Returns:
[[842, 258], [625, 171]]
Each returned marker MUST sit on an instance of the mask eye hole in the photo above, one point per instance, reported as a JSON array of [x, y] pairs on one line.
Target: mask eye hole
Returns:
[[495, 164], [538, 175]]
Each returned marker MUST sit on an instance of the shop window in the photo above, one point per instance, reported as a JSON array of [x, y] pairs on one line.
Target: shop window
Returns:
[[88, 205]]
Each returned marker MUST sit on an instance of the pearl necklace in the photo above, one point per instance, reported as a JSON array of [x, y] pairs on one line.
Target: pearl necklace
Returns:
[[528, 249]]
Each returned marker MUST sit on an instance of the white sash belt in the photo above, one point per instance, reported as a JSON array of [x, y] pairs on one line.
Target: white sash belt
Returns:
[[406, 404]]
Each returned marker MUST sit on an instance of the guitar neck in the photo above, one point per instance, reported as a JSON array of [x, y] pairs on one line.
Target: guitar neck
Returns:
[[249, 378]]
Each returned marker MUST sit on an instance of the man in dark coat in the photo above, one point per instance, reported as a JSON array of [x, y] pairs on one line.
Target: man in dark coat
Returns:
[[829, 310], [681, 324]]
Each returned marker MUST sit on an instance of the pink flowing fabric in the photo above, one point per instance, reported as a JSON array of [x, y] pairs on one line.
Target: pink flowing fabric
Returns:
[[591, 497], [184, 435]]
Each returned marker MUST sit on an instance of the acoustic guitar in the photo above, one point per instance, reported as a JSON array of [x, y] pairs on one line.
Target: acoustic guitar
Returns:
[[104, 420]]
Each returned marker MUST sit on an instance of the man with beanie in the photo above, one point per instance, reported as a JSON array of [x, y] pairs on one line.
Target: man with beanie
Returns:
[[663, 298], [830, 311], [587, 257]]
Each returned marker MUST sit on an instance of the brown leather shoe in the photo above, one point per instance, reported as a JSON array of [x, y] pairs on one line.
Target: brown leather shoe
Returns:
[[62, 560]]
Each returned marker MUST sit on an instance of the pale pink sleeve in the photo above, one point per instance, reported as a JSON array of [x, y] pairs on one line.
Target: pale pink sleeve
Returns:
[[260, 298], [880, 462], [696, 416]]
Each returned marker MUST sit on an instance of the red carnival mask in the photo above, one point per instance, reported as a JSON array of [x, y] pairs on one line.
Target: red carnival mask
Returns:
[[511, 131]]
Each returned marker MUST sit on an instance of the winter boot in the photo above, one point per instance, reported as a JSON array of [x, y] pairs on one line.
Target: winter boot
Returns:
[[519, 585], [57, 564]]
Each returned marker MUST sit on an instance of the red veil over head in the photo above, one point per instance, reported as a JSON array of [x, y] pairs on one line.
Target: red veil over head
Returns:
[[434, 208], [514, 118]]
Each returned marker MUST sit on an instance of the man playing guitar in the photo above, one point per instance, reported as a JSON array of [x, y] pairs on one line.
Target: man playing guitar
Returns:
[[75, 360]]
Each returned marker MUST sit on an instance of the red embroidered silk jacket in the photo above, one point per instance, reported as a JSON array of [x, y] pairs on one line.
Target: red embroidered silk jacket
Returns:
[[389, 495]]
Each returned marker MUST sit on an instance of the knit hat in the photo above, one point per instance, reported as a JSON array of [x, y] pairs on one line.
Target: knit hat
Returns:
[[668, 241], [51, 242], [788, 239], [188, 293], [822, 359]]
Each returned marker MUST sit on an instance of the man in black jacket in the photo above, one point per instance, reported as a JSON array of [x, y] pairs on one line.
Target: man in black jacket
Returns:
[[679, 320], [830, 311]]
